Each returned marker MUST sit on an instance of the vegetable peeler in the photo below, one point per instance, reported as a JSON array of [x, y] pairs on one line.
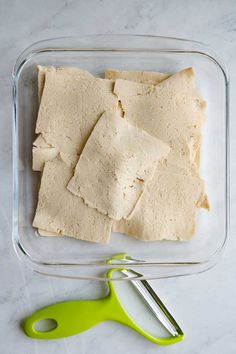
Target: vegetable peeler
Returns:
[[73, 317]]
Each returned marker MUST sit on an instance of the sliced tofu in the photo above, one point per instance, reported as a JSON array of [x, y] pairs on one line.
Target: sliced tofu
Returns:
[[115, 165], [173, 118], [48, 233], [40, 142], [42, 70], [176, 183], [45, 151], [59, 211], [42, 152], [145, 77], [70, 107], [167, 210], [42, 155], [183, 81]]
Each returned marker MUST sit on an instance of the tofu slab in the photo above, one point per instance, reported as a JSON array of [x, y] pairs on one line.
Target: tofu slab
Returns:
[[70, 107], [167, 209], [145, 77], [59, 211], [115, 165]]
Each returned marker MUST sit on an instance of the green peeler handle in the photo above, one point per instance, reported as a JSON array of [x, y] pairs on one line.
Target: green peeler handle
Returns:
[[71, 317]]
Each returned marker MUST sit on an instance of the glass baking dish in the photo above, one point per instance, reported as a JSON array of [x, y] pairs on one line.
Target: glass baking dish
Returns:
[[68, 257]]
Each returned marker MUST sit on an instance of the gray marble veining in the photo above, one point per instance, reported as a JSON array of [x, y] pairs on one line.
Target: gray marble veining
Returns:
[[205, 304]]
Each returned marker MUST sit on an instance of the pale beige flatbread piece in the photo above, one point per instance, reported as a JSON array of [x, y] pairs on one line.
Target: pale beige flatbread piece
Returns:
[[61, 212], [115, 165], [145, 77], [70, 107], [167, 210]]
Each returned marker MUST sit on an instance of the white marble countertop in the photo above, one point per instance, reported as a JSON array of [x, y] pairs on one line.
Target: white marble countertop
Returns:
[[205, 304]]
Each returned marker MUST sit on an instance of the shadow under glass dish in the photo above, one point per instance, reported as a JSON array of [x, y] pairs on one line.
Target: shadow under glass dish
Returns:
[[68, 257]]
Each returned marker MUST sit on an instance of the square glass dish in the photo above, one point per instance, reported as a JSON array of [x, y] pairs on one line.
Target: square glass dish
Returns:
[[78, 259]]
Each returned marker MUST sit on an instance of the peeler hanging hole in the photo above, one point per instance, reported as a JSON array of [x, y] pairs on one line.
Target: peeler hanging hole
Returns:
[[46, 325]]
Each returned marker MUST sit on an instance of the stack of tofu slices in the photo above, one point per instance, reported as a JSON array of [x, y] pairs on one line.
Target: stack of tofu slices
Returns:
[[120, 153]]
